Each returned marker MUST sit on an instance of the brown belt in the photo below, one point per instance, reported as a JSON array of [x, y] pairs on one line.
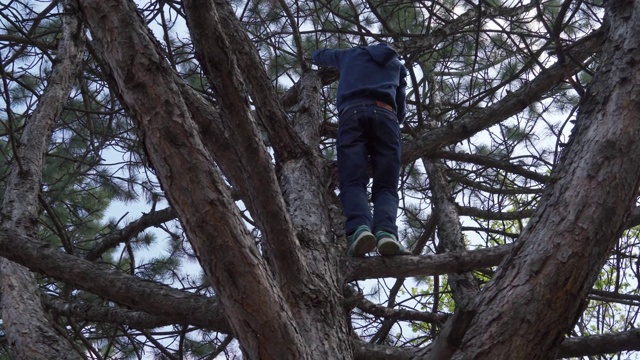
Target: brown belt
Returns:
[[384, 105]]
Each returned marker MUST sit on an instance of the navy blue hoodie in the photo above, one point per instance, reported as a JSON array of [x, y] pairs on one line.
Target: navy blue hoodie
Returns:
[[367, 73]]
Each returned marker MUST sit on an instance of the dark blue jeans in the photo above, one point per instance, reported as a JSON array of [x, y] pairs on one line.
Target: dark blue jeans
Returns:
[[365, 132]]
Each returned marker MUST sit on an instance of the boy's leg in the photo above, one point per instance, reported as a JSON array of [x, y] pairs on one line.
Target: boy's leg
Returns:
[[385, 157], [352, 171]]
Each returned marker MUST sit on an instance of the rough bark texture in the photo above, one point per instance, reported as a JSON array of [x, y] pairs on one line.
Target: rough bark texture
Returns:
[[532, 297], [293, 316], [28, 330], [132, 292], [285, 141], [464, 286], [313, 287], [253, 302], [427, 265], [569, 348], [289, 306], [286, 298], [236, 143], [317, 304]]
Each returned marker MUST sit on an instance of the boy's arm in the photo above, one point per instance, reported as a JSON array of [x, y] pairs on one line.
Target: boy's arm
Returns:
[[401, 94], [328, 57]]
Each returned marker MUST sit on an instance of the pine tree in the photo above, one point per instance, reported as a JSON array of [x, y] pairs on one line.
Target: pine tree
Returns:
[[518, 185]]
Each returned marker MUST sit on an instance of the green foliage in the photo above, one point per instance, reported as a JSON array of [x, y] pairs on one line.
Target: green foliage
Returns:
[[97, 169]]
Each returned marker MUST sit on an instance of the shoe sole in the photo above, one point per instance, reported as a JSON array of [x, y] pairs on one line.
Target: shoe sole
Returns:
[[388, 247], [363, 246]]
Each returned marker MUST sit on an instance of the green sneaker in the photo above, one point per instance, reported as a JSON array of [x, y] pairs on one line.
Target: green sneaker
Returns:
[[361, 242], [388, 245]]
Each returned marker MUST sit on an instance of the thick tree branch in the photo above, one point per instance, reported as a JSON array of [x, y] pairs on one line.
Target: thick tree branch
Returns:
[[29, 332], [458, 130], [251, 297], [615, 297], [426, 265], [464, 287], [633, 219], [304, 186], [132, 318], [286, 143], [492, 215], [570, 348], [290, 97], [111, 284], [557, 259], [600, 344], [234, 139], [492, 162], [377, 310]]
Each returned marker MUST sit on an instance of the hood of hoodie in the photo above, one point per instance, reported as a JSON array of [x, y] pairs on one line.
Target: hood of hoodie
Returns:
[[382, 53]]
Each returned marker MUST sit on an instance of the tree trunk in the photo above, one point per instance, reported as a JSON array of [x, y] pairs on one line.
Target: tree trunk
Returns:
[[532, 300], [248, 292], [280, 290], [284, 309], [308, 260], [464, 286], [318, 303], [29, 332]]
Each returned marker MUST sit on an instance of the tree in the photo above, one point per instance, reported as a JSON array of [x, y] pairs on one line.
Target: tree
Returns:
[[518, 188]]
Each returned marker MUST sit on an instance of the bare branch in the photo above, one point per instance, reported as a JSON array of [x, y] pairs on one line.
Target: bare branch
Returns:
[[511, 104], [111, 284], [404, 266], [154, 218], [133, 318], [30, 333]]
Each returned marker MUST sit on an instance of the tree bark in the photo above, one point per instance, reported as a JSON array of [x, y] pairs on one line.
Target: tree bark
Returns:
[[532, 300], [282, 294], [242, 154], [305, 261], [318, 303], [29, 332], [569, 348], [253, 302], [127, 290], [464, 286]]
